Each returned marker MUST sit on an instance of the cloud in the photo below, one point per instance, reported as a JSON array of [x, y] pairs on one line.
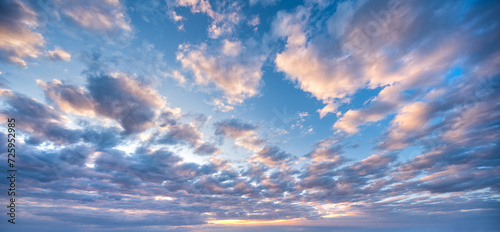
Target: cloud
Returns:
[[224, 19], [473, 121], [134, 105], [458, 114], [254, 21], [101, 138], [231, 48], [18, 38], [336, 182], [68, 98], [264, 2], [387, 102], [453, 178], [234, 128], [54, 171], [183, 132], [172, 131], [325, 152], [207, 149], [107, 17], [451, 169], [235, 70], [411, 122], [374, 164], [4, 83], [151, 64], [366, 46], [121, 97], [244, 134], [187, 133], [108, 155], [20, 41], [115, 95], [272, 156], [58, 54], [40, 120], [196, 6]]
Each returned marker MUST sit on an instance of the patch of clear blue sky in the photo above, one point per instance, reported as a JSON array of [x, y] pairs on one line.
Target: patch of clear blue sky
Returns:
[[454, 72]]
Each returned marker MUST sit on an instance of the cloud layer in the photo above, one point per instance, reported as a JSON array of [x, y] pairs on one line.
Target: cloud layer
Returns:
[[152, 125]]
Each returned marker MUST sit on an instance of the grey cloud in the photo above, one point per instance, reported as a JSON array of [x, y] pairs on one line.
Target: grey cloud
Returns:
[[37, 118], [233, 128], [128, 101], [120, 98], [207, 149], [186, 133], [179, 133], [272, 156]]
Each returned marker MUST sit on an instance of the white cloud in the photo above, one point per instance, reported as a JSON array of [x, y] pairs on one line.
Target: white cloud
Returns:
[[176, 17], [224, 19], [107, 17], [232, 69], [58, 54], [254, 21], [197, 6], [413, 119], [232, 48]]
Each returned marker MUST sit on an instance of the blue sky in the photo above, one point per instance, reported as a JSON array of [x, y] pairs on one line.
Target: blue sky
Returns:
[[198, 115]]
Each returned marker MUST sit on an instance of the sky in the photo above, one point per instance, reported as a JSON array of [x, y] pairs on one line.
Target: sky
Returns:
[[259, 115]]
